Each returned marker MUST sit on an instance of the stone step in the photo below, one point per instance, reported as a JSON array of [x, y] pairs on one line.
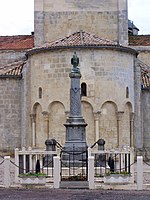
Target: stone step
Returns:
[[74, 185]]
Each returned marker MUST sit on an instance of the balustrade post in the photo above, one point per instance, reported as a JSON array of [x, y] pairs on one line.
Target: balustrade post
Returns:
[[17, 165], [7, 171], [132, 165], [139, 172], [91, 172], [56, 171]]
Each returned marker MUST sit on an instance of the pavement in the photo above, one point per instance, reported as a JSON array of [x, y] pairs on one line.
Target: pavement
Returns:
[[74, 194]]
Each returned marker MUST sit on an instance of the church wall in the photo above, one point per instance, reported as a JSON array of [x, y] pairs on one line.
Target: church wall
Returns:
[[146, 119], [107, 74], [144, 54], [10, 114], [56, 19], [10, 56]]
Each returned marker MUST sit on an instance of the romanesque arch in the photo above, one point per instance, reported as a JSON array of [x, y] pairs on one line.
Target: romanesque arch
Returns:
[[87, 111], [57, 118], [108, 124]]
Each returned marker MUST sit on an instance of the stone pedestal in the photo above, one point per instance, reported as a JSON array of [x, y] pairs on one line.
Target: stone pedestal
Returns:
[[75, 124]]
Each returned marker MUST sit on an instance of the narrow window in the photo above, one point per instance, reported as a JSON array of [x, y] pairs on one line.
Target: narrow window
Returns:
[[83, 89], [127, 92], [40, 93]]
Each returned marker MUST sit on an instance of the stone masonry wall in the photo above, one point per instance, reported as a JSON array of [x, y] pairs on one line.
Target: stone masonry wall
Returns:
[[10, 114], [55, 19], [107, 73], [10, 56], [146, 118]]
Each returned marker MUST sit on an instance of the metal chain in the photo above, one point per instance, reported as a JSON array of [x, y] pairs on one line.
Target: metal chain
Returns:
[[2, 162], [19, 166], [146, 163]]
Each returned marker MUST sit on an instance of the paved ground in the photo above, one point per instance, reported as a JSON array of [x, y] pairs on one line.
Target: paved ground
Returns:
[[61, 194]]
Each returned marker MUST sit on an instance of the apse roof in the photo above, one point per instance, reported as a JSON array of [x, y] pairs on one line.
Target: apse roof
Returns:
[[80, 38]]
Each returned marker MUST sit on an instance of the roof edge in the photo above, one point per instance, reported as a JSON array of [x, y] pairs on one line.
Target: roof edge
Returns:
[[11, 76], [112, 47]]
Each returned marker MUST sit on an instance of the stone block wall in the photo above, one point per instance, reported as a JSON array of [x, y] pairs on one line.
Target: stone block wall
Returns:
[[107, 73], [55, 19], [146, 119], [10, 56], [10, 114]]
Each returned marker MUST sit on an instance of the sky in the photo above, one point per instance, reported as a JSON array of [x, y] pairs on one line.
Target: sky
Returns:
[[17, 16]]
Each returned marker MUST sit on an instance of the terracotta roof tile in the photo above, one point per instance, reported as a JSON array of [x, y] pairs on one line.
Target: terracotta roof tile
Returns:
[[19, 42], [80, 38], [145, 75], [13, 69], [139, 40]]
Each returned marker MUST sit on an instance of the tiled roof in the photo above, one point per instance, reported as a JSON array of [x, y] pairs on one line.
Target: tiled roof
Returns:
[[19, 42], [80, 38], [145, 74], [12, 69], [139, 40]]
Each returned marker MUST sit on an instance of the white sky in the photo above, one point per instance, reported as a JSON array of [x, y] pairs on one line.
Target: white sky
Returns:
[[17, 16]]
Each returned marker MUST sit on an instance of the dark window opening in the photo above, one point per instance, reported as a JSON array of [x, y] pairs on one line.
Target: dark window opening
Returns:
[[127, 92], [83, 89], [40, 93]]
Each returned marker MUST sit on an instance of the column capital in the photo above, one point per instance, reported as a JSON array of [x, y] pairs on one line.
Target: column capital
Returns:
[[96, 114], [45, 115], [119, 115], [132, 116], [33, 117]]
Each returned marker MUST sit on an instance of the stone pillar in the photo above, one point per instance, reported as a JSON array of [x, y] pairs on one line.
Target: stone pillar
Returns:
[[7, 171], [17, 164], [91, 172], [139, 172], [131, 129], [56, 172], [46, 123], [96, 119], [119, 118], [33, 125], [138, 135]]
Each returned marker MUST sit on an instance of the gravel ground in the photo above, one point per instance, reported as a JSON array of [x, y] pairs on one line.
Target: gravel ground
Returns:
[[63, 194]]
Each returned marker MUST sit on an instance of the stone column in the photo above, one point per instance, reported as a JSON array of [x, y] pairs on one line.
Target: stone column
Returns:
[[96, 119], [119, 118], [75, 124], [33, 124], [131, 129], [46, 123]]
